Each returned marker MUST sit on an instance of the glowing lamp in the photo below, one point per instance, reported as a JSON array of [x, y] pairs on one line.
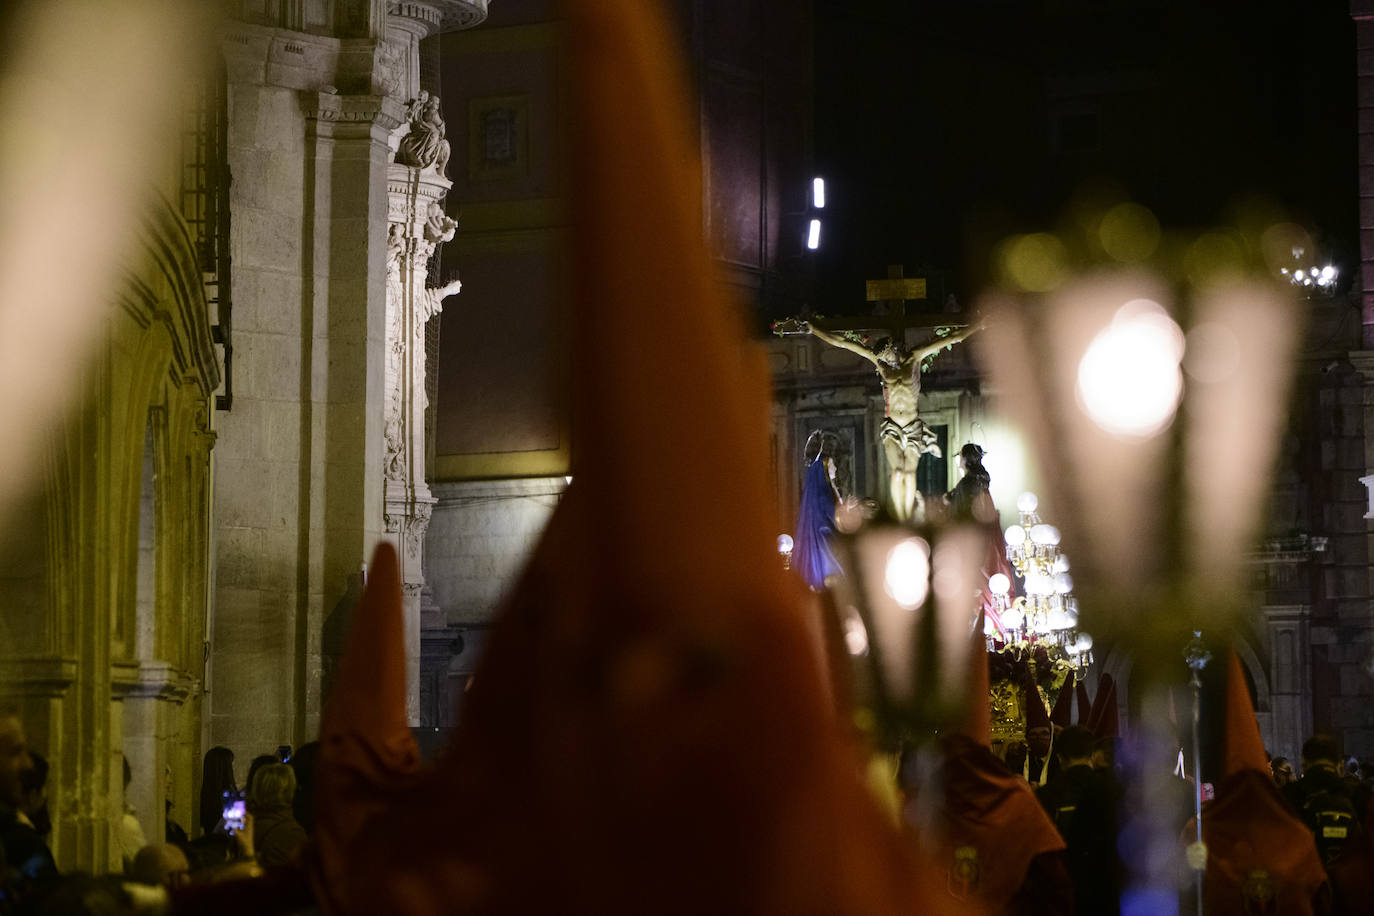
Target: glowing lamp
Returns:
[[906, 608]]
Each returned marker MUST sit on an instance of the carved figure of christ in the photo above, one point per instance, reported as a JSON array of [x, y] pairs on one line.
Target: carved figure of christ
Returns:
[[904, 436]]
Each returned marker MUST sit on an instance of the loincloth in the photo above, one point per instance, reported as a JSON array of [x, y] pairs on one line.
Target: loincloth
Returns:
[[914, 435]]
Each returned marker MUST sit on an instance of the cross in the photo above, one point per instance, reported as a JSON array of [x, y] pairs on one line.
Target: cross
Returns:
[[894, 291]]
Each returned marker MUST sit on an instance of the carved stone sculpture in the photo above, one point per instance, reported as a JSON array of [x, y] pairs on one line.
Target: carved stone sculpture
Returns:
[[424, 146]]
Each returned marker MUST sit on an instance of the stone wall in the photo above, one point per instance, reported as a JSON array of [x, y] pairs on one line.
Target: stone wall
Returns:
[[479, 537], [299, 477]]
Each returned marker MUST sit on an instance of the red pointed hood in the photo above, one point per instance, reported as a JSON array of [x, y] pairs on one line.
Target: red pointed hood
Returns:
[[1107, 724], [1106, 690], [1085, 705], [1036, 716], [1063, 706]]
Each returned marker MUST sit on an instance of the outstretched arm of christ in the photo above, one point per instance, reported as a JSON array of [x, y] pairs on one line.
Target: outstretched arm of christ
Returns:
[[935, 346], [844, 343]]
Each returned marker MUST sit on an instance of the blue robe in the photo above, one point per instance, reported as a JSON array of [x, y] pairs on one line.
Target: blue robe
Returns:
[[812, 555]]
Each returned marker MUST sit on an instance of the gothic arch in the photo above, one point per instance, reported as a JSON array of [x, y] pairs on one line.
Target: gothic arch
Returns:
[[1120, 662]]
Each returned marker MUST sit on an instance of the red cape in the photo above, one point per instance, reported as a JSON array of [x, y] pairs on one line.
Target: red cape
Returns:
[[1257, 851], [987, 809]]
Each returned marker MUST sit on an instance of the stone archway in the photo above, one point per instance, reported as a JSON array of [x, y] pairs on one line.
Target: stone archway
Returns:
[[1119, 663]]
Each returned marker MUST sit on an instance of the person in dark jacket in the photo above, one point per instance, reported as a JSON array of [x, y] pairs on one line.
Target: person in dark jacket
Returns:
[[1081, 801], [217, 781], [28, 863], [1322, 797], [276, 835]]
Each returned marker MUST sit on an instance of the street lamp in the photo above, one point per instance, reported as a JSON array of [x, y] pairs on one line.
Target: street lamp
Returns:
[[906, 607]]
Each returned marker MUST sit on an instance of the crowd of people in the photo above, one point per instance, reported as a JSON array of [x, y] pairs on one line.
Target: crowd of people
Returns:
[[237, 832], [1036, 828]]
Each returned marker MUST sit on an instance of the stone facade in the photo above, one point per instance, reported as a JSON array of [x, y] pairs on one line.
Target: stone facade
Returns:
[[112, 563], [330, 355]]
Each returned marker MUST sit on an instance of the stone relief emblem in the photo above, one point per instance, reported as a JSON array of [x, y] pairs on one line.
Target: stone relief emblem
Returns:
[[424, 146]]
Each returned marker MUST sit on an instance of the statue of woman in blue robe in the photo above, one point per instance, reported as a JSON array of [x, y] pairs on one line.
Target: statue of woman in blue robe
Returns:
[[812, 555]]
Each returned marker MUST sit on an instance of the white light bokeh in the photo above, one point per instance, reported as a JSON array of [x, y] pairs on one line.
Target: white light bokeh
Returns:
[[1213, 353], [855, 636], [1129, 380], [907, 575]]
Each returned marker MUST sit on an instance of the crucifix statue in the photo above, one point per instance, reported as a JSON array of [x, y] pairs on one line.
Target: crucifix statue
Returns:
[[903, 434]]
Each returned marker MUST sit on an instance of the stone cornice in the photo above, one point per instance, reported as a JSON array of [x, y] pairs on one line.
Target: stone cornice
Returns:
[[427, 16], [381, 110], [1363, 361], [461, 14], [37, 677], [150, 680]]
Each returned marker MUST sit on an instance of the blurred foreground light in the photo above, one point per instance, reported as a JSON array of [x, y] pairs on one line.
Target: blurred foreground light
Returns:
[[1016, 535], [1129, 380], [907, 578], [1212, 353], [855, 636], [784, 543], [1027, 502], [813, 235], [999, 584], [1129, 233], [1035, 263], [818, 193]]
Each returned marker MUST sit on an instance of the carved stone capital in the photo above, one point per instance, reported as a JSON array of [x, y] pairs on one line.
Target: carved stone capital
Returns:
[[151, 681], [381, 110], [1363, 361], [37, 677], [420, 18], [456, 15]]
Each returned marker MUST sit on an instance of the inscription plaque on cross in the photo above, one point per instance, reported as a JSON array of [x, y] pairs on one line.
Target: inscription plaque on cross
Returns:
[[892, 292]]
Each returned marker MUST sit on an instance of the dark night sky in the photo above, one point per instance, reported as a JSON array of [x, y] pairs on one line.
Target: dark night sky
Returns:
[[941, 126]]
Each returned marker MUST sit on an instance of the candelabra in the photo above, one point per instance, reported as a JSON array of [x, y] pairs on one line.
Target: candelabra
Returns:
[[1048, 612]]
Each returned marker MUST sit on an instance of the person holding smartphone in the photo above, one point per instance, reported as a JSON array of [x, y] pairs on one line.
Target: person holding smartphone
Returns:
[[276, 834]]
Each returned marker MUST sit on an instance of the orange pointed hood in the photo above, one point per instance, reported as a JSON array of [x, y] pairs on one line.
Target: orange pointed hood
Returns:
[[648, 727], [977, 722], [1244, 746], [367, 753]]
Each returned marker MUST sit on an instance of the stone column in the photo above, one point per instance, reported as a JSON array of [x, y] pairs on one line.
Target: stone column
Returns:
[[416, 224], [1290, 682], [345, 327], [1363, 13], [408, 23]]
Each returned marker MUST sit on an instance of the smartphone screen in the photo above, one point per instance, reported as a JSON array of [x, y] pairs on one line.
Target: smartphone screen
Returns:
[[233, 814]]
